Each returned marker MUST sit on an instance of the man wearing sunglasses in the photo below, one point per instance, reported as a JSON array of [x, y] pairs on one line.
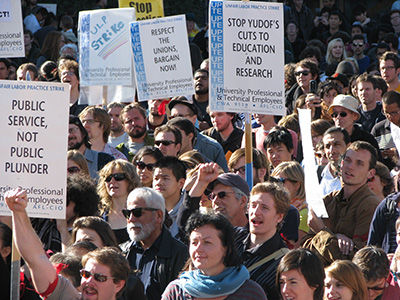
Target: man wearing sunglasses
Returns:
[[228, 193], [151, 250], [344, 113], [358, 47], [104, 272], [168, 139], [374, 265]]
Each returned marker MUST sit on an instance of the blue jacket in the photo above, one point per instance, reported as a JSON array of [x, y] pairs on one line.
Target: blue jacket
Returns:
[[382, 231]]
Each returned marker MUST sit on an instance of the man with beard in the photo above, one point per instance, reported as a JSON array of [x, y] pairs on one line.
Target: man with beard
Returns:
[[200, 98], [335, 142], [104, 273], [117, 133], [78, 139], [134, 121], [152, 250]]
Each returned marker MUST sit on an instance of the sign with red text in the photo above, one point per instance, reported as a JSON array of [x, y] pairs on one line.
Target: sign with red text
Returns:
[[34, 127], [105, 57], [246, 57]]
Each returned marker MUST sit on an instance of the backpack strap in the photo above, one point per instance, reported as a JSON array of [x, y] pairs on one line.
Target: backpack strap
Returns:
[[276, 255]]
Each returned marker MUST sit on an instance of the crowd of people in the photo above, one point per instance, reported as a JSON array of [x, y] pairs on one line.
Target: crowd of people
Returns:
[[157, 202]]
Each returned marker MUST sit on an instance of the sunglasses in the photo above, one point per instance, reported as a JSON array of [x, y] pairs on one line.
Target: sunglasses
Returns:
[[376, 288], [298, 73], [117, 177], [241, 170], [221, 195], [342, 114], [165, 143], [97, 276], [141, 165], [358, 44], [281, 179], [73, 170], [137, 212]]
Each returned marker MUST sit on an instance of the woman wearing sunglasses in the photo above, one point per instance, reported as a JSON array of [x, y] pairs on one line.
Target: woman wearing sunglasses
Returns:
[[144, 161], [216, 271], [76, 163], [291, 175], [117, 179]]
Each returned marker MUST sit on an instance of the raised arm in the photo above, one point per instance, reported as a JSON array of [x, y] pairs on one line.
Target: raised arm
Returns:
[[28, 243]]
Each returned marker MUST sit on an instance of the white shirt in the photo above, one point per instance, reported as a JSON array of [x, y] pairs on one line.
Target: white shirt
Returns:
[[329, 183]]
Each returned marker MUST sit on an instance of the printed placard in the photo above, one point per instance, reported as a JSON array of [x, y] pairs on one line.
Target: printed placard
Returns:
[[145, 9], [246, 57], [11, 29], [162, 58], [105, 57], [34, 125]]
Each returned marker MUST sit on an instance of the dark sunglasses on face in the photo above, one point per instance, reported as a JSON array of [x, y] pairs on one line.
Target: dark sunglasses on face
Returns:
[[376, 288], [221, 195], [342, 114], [97, 276], [141, 165], [358, 44], [137, 212], [117, 177], [165, 143], [298, 73], [281, 179], [241, 170], [73, 170]]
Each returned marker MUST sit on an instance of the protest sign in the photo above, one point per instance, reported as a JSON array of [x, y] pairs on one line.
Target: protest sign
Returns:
[[34, 127], [11, 29], [94, 95], [145, 9], [162, 58], [105, 57], [246, 57], [314, 195]]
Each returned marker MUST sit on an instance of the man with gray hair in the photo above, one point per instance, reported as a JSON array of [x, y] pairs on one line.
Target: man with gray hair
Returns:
[[152, 250]]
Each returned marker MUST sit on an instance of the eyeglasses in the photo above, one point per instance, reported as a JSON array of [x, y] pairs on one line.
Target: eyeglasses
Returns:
[[137, 212], [319, 155], [358, 44], [165, 143], [141, 165], [97, 276], [376, 288], [117, 177], [241, 170], [73, 170], [221, 195], [281, 179], [180, 115], [298, 73], [89, 121], [342, 114]]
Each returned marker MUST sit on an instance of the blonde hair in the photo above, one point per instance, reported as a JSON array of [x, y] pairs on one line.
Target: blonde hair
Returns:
[[294, 172], [329, 58], [351, 276], [279, 193], [131, 177]]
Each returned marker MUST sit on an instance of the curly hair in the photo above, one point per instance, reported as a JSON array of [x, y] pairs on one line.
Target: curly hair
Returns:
[[131, 176]]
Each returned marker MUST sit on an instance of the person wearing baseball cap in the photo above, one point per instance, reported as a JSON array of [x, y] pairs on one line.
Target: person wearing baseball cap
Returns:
[[344, 113], [228, 193]]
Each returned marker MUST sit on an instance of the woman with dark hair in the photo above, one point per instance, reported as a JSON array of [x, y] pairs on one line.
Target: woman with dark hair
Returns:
[[116, 180], [382, 183], [300, 275], [51, 47], [95, 230], [216, 269], [144, 161]]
